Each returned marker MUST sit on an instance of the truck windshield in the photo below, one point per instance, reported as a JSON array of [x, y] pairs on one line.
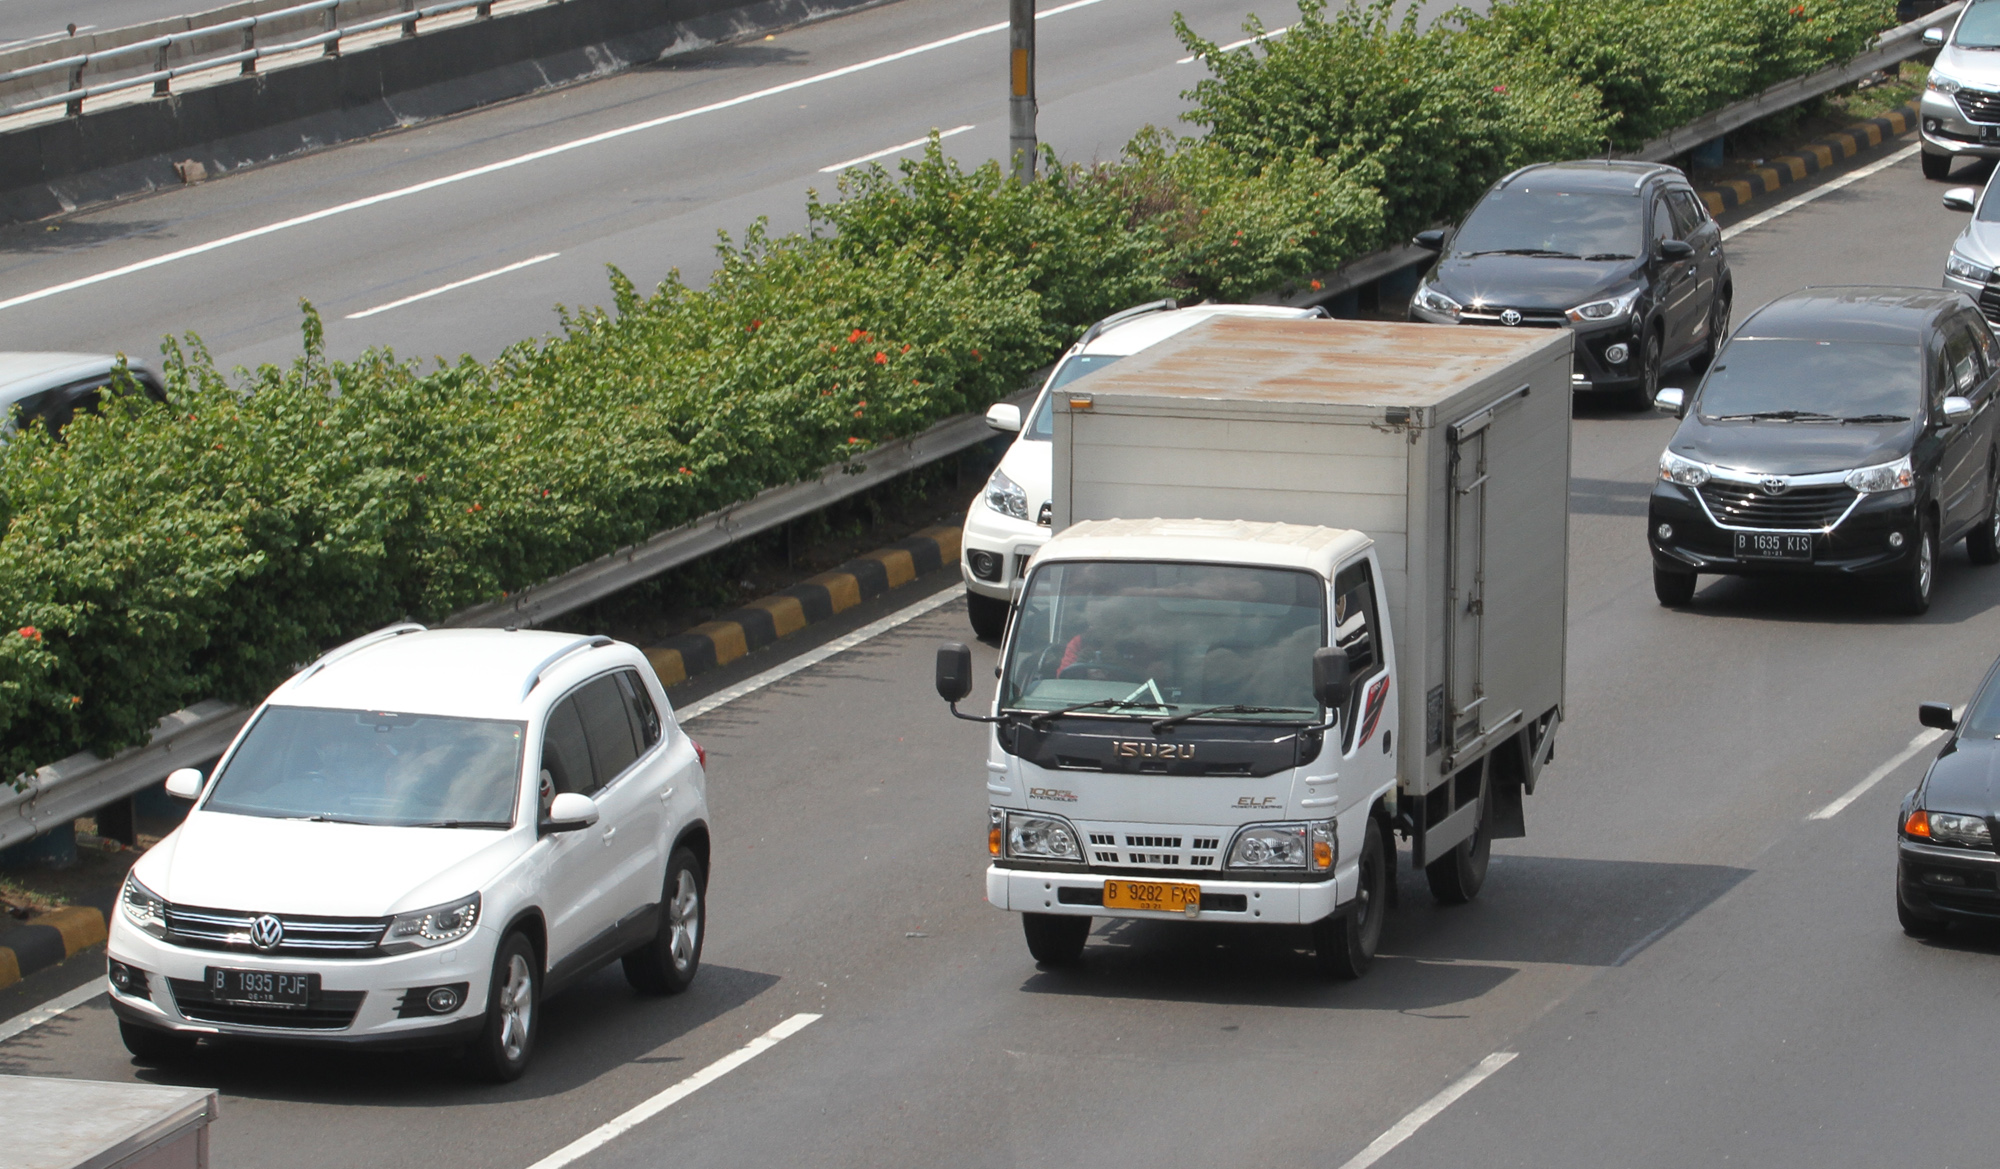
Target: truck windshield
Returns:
[[370, 767], [1144, 639]]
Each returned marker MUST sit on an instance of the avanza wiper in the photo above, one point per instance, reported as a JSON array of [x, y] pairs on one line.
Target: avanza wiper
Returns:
[[1875, 418], [1776, 416]]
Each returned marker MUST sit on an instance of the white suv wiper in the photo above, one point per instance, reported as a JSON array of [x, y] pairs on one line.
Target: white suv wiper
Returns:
[[462, 824]]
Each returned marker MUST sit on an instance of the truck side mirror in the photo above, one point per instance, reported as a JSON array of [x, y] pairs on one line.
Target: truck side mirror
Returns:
[[1936, 715], [184, 783], [954, 671], [1430, 241], [1331, 681]]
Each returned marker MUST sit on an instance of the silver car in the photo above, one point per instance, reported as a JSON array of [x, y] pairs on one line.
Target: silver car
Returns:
[[52, 387], [1975, 254], [1961, 103]]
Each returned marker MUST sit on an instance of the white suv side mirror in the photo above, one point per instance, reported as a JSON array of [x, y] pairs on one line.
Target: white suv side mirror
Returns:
[[184, 783], [1004, 416], [570, 812], [1961, 198], [1934, 36]]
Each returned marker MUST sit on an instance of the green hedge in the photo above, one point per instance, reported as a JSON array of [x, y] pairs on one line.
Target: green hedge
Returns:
[[160, 555]]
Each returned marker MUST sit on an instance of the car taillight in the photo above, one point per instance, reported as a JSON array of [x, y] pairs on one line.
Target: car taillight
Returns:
[[700, 755]]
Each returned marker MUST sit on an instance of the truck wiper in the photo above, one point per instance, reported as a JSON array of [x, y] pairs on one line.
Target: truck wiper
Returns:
[[1103, 703], [1175, 720], [1876, 418], [1545, 252], [1776, 416]]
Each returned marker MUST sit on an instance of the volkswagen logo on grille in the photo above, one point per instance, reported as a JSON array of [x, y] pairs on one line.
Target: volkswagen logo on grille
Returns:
[[1774, 485], [1510, 316], [267, 932]]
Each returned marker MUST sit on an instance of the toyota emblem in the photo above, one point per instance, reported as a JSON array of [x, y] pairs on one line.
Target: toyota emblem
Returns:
[[1510, 316], [1774, 485], [267, 932]]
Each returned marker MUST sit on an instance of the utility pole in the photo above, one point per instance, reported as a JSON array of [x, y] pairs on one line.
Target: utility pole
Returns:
[[1021, 103]]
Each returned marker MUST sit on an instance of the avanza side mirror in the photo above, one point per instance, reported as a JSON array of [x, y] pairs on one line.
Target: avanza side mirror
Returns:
[[1671, 400], [1676, 249], [1430, 241], [569, 812], [1936, 715], [1957, 409], [1332, 683], [1961, 198], [184, 783], [1004, 416], [1934, 36], [954, 671]]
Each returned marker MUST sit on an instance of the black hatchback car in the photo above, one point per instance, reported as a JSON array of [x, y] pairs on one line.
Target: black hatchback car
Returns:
[[1841, 431], [1624, 253], [1946, 868]]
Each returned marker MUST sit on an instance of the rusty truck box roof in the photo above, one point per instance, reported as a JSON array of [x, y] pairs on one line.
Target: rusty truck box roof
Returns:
[[1324, 362]]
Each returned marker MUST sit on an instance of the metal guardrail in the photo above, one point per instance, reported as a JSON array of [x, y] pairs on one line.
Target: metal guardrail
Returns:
[[82, 783], [161, 77]]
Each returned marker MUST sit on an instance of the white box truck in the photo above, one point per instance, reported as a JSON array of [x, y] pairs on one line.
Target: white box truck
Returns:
[[1307, 590]]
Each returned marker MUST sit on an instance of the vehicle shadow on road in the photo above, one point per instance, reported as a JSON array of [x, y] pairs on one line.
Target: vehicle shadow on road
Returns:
[[748, 55], [588, 1029], [1534, 910], [1963, 592], [1608, 497], [40, 238]]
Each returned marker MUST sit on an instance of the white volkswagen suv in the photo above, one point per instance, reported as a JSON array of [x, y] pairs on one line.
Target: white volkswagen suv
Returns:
[[1009, 521], [412, 842]]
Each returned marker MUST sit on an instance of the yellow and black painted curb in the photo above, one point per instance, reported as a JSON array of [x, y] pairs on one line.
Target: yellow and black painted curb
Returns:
[[785, 612], [43, 941], [1811, 159]]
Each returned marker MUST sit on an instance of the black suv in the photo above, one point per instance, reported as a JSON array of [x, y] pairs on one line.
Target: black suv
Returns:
[[1841, 431], [1624, 253]]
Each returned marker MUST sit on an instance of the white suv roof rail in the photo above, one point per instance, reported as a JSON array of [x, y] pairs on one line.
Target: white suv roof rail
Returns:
[[1123, 315], [535, 676], [360, 643]]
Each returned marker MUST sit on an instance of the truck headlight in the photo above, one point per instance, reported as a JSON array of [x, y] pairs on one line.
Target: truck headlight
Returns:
[[143, 907], [1429, 299], [432, 927], [1311, 846], [1042, 838], [1006, 496], [1598, 312], [1882, 476], [1965, 269], [1965, 831], [1685, 472]]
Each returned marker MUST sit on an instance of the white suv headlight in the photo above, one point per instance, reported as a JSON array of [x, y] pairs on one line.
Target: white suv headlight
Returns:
[[1006, 496], [1598, 312], [1965, 269], [143, 907], [1685, 472], [431, 927], [1941, 83], [1882, 476], [1429, 299], [1311, 846], [1036, 837]]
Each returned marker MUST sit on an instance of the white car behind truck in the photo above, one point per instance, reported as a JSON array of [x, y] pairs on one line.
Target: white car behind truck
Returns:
[[1010, 519], [1351, 627]]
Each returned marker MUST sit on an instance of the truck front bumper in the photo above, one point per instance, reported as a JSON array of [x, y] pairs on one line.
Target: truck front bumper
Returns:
[[1247, 902]]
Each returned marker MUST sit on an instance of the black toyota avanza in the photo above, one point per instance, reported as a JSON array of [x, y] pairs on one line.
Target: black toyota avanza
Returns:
[[1840, 431]]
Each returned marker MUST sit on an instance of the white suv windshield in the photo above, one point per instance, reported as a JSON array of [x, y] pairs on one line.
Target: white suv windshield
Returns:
[[1145, 639], [1042, 427], [370, 767]]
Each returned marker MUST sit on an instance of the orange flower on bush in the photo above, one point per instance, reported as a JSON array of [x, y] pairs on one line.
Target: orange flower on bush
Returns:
[[31, 633], [881, 358], [1316, 286], [857, 336]]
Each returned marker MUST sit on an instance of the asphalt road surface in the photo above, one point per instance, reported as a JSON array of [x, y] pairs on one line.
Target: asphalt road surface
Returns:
[[1686, 968], [698, 143]]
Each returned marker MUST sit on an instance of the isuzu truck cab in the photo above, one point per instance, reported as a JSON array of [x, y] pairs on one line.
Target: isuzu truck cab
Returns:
[[1305, 595]]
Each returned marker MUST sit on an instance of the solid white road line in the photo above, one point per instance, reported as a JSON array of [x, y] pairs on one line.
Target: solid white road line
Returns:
[[1404, 1128], [1878, 775], [827, 170], [443, 288], [67, 1001], [1853, 176], [517, 160], [1269, 36], [612, 1129], [806, 661]]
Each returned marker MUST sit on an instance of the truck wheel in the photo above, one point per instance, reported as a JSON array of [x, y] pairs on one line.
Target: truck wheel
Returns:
[[1673, 588], [152, 1046], [1344, 944], [988, 616], [1456, 877], [667, 964], [1055, 939], [1920, 927]]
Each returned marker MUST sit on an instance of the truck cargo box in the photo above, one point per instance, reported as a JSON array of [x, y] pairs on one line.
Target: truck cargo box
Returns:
[[1448, 446]]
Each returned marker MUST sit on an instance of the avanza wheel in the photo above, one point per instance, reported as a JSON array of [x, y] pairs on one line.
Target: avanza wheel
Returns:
[[1456, 877], [1344, 945], [1055, 939], [1674, 589], [988, 616], [667, 964], [1936, 166], [513, 1013], [152, 1046], [1982, 543], [1912, 591]]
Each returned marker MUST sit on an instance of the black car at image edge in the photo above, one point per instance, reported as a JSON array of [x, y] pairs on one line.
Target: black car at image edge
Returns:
[[1946, 868]]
